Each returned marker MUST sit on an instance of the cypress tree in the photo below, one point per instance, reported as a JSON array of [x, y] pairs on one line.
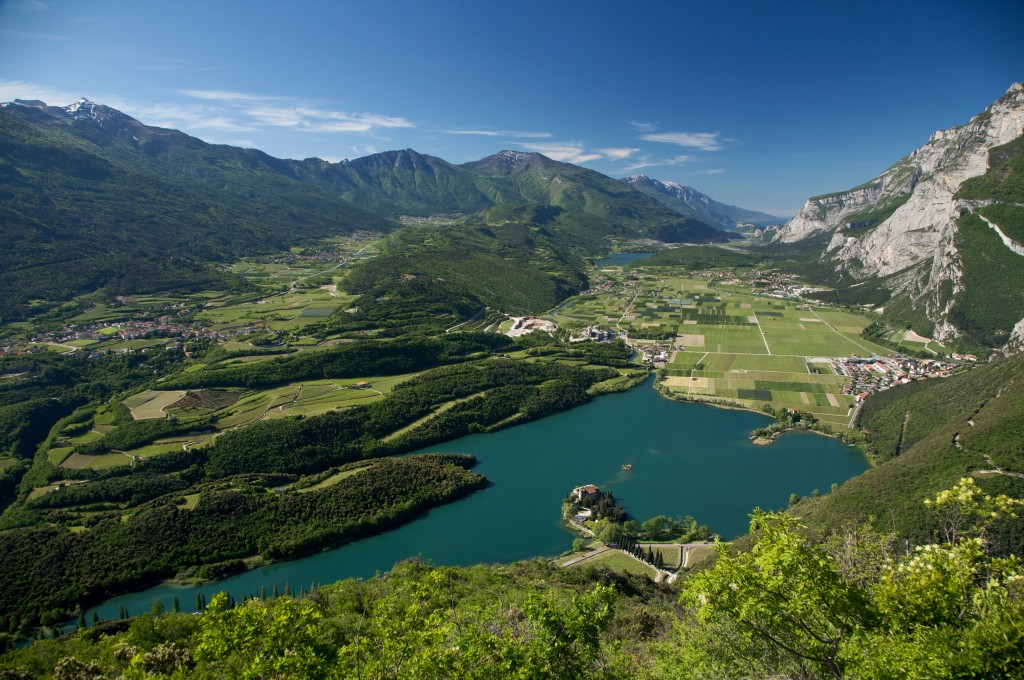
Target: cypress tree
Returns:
[[175, 605]]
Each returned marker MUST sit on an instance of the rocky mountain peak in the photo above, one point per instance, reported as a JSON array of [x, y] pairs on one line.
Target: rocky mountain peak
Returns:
[[690, 202], [82, 105], [509, 161], [906, 218]]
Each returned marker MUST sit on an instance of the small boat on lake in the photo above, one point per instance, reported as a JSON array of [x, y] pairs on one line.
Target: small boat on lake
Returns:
[[627, 467]]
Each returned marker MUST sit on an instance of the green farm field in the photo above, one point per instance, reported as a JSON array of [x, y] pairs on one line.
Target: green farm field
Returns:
[[730, 345], [619, 562]]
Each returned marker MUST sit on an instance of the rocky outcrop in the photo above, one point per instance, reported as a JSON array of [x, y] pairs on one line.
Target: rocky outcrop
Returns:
[[907, 216]]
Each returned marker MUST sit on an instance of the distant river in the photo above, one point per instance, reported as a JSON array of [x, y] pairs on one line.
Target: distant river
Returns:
[[687, 459]]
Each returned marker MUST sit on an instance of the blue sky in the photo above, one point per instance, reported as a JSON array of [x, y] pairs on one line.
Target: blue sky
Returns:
[[758, 104]]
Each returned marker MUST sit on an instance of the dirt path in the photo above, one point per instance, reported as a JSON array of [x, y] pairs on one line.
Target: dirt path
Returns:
[[628, 309], [483, 309], [997, 470], [763, 338], [586, 556]]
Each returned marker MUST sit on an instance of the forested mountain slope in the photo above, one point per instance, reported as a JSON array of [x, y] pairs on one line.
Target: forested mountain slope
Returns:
[[108, 202], [926, 435]]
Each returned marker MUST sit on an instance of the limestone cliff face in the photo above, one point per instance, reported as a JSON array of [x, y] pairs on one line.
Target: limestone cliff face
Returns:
[[914, 202]]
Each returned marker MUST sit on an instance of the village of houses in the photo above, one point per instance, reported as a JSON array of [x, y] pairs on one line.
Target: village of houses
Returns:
[[874, 374], [166, 326]]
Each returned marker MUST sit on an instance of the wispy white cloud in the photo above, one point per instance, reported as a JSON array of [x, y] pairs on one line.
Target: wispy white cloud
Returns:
[[277, 111], [618, 153], [19, 89], [224, 116], [522, 134], [228, 96], [709, 171], [705, 141], [643, 127], [364, 150], [188, 117], [648, 161], [316, 120], [567, 152]]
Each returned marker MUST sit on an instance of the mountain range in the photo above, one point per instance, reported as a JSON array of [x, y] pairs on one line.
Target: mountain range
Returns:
[[934, 242], [688, 201], [126, 207]]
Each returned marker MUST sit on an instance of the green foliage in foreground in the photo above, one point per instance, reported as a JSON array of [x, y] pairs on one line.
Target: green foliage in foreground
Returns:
[[852, 608], [527, 620], [851, 605]]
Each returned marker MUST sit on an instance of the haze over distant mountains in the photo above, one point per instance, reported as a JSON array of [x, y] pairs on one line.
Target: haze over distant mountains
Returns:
[[688, 201]]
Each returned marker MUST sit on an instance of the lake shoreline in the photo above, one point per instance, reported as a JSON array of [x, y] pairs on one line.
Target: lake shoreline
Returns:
[[532, 464], [758, 440]]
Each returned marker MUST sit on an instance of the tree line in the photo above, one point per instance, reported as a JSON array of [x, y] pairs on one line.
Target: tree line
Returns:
[[47, 570]]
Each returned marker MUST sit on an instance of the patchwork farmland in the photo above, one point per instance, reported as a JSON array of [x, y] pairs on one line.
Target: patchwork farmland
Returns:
[[725, 343]]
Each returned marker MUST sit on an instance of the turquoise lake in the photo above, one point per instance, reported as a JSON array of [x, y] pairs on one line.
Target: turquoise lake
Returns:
[[687, 459]]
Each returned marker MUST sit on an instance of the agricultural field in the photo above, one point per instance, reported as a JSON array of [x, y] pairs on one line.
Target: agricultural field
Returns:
[[727, 344], [152, 403], [226, 408], [912, 341], [619, 562], [286, 296], [671, 555], [285, 311]]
